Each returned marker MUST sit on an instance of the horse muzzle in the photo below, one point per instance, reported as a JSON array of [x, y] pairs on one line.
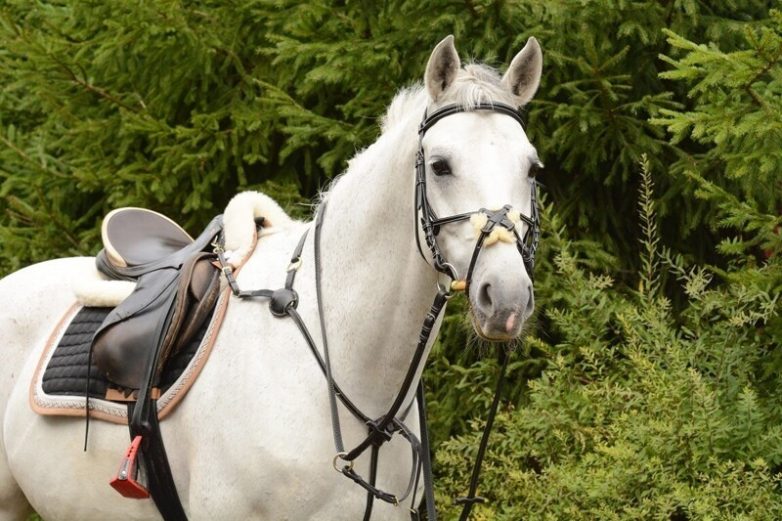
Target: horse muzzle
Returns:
[[501, 303]]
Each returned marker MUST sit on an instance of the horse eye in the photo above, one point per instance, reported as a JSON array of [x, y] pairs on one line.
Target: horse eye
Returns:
[[440, 167]]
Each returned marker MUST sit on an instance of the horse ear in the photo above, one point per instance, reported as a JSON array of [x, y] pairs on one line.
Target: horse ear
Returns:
[[523, 75], [442, 67]]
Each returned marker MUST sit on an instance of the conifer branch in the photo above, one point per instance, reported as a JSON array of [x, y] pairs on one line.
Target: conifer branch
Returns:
[[748, 85], [52, 216], [95, 90], [21, 153]]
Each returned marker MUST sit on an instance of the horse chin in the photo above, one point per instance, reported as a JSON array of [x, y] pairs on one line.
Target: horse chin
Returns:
[[483, 328]]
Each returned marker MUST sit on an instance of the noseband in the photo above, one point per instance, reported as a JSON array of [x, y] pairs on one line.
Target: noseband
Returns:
[[430, 223]]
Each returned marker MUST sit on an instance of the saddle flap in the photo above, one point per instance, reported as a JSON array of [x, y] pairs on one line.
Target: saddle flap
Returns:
[[130, 333], [196, 297], [164, 313], [203, 292]]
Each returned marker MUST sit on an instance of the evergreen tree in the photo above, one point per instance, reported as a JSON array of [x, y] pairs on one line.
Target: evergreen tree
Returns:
[[177, 106], [638, 412]]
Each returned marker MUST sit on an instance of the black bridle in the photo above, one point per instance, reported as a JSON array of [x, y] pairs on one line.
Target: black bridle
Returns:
[[284, 301], [430, 223]]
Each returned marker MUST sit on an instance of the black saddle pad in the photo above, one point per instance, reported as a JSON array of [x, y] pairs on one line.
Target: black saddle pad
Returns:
[[66, 372]]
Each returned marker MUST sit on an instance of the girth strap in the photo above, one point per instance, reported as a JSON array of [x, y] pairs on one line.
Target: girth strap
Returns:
[[153, 453]]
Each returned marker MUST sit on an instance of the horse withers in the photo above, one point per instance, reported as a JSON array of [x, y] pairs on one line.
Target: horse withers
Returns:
[[442, 201]]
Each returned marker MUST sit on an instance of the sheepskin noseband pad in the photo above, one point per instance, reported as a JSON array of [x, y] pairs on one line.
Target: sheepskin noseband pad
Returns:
[[486, 221]]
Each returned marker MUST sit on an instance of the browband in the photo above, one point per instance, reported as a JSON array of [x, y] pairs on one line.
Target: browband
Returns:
[[449, 110]]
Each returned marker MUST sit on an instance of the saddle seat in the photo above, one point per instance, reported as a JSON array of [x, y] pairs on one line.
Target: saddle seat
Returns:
[[177, 286], [137, 236]]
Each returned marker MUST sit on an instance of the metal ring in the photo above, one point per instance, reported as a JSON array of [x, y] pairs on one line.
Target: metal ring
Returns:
[[341, 455], [451, 270]]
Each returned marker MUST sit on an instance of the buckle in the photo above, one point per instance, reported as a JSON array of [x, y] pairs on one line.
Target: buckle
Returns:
[[295, 264], [125, 481]]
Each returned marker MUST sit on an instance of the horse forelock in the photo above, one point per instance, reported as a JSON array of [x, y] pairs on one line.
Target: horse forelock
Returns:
[[477, 83]]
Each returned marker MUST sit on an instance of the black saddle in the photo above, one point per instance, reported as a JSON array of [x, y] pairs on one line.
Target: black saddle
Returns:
[[177, 288]]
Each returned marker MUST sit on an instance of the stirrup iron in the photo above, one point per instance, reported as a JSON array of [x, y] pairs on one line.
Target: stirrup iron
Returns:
[[125, 481]]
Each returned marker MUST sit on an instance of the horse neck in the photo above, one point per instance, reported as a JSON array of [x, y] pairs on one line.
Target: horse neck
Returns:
[[376, 287]]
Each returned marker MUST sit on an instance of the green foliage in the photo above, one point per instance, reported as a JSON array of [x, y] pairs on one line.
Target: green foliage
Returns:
[[177, 106], [124, 103], [737, 116], [640, 412]]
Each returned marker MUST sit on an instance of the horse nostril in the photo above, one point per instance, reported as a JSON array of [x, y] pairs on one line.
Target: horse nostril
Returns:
[[484, 297]]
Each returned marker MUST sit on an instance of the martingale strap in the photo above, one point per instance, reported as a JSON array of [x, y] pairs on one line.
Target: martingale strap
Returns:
[[283, 303]]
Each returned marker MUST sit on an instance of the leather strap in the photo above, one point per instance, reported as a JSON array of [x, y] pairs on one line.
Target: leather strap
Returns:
[[470, 500], [144, 422], [426, 455], [448, 110], [380, 430]]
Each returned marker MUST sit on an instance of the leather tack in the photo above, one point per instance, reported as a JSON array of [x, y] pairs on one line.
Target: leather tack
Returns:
[[282, 300]]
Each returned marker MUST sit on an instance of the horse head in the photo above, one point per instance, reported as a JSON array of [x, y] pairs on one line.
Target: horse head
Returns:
[[476, 200]]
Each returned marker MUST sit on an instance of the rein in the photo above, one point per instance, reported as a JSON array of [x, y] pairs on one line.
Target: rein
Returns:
[[283, 302]]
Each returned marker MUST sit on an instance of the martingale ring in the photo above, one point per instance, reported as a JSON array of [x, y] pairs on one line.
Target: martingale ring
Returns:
[[340, 456]]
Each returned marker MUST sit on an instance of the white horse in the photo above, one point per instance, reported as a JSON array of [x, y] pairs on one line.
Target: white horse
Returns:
[[252, 440]]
